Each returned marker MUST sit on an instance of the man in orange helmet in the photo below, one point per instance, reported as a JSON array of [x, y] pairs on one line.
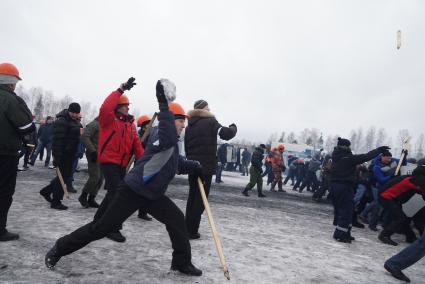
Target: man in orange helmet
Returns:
[[145, 186], [118, 141], [15, 122], [278, 166]]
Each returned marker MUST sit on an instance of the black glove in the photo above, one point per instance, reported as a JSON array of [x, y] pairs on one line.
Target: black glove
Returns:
[[56, 162], [93, 157], [406, 152], [160, 94], [129, 84], [383, 149], [233, 125], [198, 172]]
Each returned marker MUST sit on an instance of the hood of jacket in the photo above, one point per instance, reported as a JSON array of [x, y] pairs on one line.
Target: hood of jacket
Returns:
[[197, 114]]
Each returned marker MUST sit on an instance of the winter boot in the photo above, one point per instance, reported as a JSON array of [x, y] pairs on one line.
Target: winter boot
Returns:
[[341, 236], [83, 200], [70, 188], [385, 237], [194, 236], [8, 236], [92, 202], [116, 236], [188, 269], [396, 273], [245, 191], [373, 228], [52, 257], [58, 206], [273, 186], [260, 191], [46, 195]]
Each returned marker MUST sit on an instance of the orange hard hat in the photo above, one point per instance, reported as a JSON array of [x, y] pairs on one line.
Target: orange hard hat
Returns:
[[177, 109], [142, 119], [281, 147], [123, 100], [9, 69]]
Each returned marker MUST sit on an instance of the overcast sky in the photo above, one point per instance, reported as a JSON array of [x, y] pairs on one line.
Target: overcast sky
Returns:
[[265, 65]]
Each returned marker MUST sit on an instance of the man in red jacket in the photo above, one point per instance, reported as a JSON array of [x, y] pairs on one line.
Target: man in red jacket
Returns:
[[118, 141]]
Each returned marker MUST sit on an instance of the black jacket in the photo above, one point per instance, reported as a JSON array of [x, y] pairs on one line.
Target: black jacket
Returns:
[[222, 153], [344, 164], [200, 139], [66, 135], [15, 122], [257, 159]]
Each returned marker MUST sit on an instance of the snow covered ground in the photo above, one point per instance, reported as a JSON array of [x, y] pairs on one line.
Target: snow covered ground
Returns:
[[284, 238]]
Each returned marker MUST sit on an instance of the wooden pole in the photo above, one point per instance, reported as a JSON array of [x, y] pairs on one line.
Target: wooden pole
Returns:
[[214, 230], [142, 139], [65, 190], [403, 155]]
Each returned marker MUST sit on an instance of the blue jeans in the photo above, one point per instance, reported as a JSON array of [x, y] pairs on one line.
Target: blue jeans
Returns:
[[40, 147], [408, 256], [374, 207], [361, 189]]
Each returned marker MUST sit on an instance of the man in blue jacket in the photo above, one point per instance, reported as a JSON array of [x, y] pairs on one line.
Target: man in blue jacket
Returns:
[[45, 138], [383, 170], [145, 186]]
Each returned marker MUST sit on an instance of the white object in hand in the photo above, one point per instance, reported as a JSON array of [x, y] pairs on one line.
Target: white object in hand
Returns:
[[169, 89]]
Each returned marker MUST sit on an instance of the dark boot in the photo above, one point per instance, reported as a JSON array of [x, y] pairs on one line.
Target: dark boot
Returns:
[[8, 236], [385, 237], [52, 257], [245, 191], [273, 186], [58, 206], [71, 188], [396, 273], [188, 269], [46, 194], [92, 202], [260, 190], [194, 236], [83, 200], [342, 236], [116, 236]]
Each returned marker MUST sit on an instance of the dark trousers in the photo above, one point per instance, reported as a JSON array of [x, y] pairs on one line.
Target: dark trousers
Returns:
[[195, 206], [300, 178], [28, 153], [113, 174], [310, 180], [398, 219], [290, 176], [218, 171], [55, 187], [125, 203], [342, 200], [324, 186], [8, 169], [245, 168]]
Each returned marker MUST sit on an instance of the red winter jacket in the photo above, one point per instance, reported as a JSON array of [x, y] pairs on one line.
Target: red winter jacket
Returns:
[[399, 188], [118, 139]]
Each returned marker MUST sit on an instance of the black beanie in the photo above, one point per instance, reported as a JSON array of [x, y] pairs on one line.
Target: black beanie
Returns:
[[343, 142], [387, 153], [200, 104], [74, 108], [263, 146]]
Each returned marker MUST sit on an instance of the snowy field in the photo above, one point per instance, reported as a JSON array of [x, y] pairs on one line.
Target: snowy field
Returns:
[[284, 238]]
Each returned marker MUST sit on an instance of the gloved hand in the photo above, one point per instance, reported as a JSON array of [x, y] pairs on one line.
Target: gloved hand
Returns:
[[406, 152], [129, 84], [93, 157], [56, 162], [383, 149], [233, 125], [198, 171], [160, 94]]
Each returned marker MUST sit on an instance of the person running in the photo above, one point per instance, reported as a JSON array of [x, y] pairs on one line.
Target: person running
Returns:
[[145, 186], [255, 171]]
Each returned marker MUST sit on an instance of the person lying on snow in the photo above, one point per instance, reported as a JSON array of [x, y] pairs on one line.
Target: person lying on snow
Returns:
[[145, 186]]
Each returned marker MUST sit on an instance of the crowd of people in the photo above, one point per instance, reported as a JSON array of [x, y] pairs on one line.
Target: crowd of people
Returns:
[[364, 188]]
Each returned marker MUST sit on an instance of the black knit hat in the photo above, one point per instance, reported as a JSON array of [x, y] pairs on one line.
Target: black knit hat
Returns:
[[263, 146], [74, 108], [343, 142], [200, 104], [387, 154]]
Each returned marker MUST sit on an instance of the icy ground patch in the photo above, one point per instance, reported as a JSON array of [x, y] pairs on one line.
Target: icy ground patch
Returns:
[[284, 238]]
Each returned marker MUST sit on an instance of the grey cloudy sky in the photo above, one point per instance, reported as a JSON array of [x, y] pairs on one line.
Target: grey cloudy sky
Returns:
[[265, 65]]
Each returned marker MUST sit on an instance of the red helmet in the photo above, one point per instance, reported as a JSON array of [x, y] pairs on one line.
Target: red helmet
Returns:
[[142, 119], [177, 109]]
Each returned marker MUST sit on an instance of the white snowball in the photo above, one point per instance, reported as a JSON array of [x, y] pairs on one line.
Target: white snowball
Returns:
[[169, 89]]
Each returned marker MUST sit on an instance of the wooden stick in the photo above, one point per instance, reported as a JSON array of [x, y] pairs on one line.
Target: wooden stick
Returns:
[[213, 230], [65, 190], [403, 155], [142, 139]]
